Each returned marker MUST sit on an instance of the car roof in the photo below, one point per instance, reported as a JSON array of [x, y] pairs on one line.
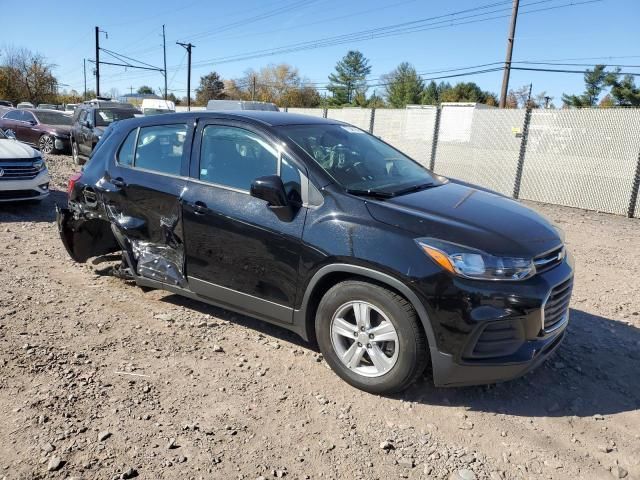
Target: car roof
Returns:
[[266, 118]]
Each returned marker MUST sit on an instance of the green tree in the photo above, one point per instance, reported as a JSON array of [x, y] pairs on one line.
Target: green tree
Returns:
[[403, 86], [624, 92], [145, 90], [211, 88], [432, 94], [595, 82], [349, 83], [468, 92]]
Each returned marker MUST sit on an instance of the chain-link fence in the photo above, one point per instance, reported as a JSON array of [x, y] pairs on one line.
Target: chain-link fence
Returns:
[[480, 146], [410, 130], [586, 158]]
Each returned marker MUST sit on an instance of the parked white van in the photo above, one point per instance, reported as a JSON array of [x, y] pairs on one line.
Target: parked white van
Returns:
[[152, 106]]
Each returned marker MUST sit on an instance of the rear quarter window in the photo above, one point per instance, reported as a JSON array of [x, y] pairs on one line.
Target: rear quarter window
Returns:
[[127, 149]]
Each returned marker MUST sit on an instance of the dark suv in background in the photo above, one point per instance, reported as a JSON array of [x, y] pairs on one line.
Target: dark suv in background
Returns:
[[90, 120], [326, 230]]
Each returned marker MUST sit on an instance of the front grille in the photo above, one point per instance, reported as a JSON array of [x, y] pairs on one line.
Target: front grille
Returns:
[[549, 260], [498, 339], [557, 306], [17, 170], [17, 194]]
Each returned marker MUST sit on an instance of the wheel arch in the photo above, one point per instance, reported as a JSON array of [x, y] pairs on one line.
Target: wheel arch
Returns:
[[329, 275]]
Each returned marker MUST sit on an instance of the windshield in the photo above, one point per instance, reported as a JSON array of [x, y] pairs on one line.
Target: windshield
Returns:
[[53, 118], [156, 111], [107, 116], [358, 161]]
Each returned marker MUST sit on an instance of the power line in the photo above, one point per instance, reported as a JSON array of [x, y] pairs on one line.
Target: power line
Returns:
[[391, 30]]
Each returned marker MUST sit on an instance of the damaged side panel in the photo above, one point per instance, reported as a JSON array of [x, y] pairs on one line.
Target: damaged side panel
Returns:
[[84, 238]]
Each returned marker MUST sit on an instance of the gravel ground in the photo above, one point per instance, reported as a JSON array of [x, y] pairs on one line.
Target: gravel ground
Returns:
[[101, 379]]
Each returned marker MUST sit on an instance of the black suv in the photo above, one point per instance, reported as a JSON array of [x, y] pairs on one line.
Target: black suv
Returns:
[[323, 229], [90, 119]]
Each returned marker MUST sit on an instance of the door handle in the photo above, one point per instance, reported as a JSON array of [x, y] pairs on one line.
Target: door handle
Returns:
[[118, 182], [200, 208]]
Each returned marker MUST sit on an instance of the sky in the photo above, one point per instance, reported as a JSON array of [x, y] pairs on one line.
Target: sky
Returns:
[[600, 31]]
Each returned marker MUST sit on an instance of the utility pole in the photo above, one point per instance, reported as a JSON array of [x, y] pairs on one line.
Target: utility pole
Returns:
[[253, 87], [84, 68], [507, 62], [188, 47], [164, 51], [97, 61]]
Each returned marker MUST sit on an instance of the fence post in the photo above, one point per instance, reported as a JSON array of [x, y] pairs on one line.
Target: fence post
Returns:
[[523, 151], [634, 191], [372, 120], [434, 142]]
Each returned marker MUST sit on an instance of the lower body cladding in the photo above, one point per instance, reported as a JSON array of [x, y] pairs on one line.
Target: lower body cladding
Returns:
[[36, 188], [493, 332]]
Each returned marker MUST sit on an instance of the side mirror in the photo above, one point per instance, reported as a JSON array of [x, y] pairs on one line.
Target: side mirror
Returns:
[[271, 189], [32, 122], [87, 123]]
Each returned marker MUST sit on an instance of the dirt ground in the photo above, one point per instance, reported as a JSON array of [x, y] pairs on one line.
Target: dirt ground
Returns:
[[100, 379]]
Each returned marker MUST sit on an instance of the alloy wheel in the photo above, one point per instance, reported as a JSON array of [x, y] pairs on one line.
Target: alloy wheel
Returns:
[[364, 339], [46, 144]]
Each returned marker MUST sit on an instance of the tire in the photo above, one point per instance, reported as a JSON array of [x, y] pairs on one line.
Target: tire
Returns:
[[391, 317], [75, 153], [46, 144]]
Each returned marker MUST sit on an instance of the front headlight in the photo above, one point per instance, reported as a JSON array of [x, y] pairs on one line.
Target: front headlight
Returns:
[[39, 164], [471, 263]]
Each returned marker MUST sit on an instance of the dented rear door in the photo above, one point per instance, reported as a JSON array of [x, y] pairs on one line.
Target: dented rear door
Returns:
[[142, 193]]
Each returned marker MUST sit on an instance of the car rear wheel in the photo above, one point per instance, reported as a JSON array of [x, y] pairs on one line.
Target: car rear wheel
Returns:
[[46, 144], [75, 153], [371, 337]]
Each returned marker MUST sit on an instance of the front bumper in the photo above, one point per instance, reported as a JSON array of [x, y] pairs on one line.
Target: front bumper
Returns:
[[30, 189], [488, 332], [62, 144]]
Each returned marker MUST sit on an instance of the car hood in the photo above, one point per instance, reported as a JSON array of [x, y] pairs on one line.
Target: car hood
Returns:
[[11, 149], [470, 216]]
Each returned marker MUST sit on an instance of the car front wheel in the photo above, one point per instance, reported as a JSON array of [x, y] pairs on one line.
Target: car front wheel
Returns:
[[46, 144], [371, 337]]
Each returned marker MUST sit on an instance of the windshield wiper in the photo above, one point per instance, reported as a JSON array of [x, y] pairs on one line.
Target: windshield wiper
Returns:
[[369, 193], [414, 188]]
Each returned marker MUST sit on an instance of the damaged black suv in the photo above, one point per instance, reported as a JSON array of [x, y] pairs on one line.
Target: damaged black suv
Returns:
[[323, 229]]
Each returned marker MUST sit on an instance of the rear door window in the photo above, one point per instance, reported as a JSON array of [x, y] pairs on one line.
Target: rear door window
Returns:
[[160, 148]]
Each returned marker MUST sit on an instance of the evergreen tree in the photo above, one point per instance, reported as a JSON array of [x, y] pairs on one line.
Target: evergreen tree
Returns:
[[624, 92], [349, 83], [595, 81], [211, 88], [403, 86]]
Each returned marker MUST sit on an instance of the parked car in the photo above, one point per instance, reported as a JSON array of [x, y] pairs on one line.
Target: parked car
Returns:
[[25, 105], [47, 130], [89, 122], [108, 103], [6, 103], [240, 105], [152, 106], [23, 172], [48, 106], [70, 107], [321, 228]]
